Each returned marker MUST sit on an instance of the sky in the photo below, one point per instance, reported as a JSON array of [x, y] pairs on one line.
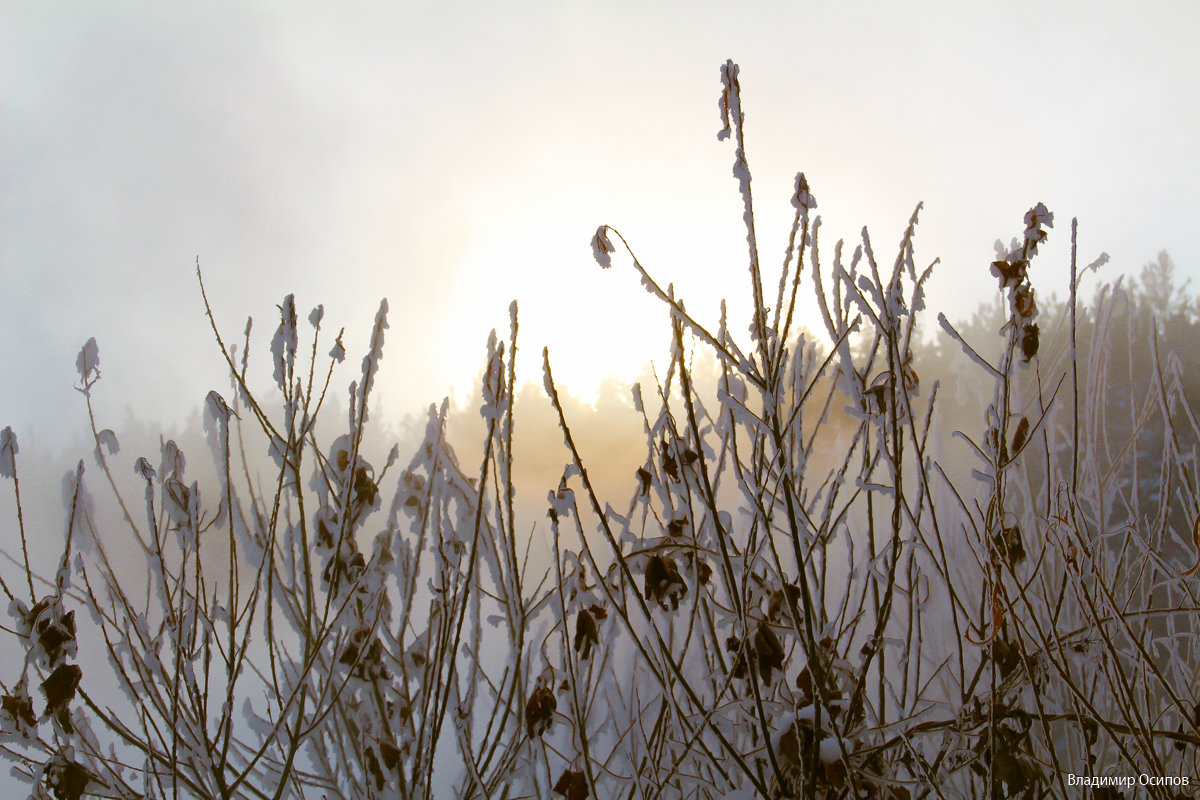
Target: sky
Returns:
[[453, 157]]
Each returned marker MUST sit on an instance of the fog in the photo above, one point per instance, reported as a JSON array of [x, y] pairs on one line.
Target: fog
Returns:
[[455, 161]]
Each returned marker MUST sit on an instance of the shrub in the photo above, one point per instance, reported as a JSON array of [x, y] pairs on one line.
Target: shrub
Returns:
[[805, 595]]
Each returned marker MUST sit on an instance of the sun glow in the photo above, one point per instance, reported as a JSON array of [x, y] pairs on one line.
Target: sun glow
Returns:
[[598, 324]]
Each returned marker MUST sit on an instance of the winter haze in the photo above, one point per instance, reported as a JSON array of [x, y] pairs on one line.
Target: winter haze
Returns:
[[455, 157]]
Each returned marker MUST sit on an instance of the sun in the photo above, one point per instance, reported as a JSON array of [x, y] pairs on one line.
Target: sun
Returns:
[[598, 324]]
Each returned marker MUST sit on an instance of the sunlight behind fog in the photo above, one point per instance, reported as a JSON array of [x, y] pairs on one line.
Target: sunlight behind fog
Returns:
[[600, 325]]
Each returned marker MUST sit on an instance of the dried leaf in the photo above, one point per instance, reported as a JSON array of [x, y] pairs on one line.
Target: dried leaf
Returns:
[[776, 607], [572, 785], [586, 635], [539, 710], [8, 452], [664, 583], [391, 755], [54, 632], [1029, 340], [643, 476], [1008, 543], [67, 779], [1021, 434], [769, 651], [60, 687], [374, 768], [1010, 273], [602, 247], [1024, 303], [88, 362], [19, 708]]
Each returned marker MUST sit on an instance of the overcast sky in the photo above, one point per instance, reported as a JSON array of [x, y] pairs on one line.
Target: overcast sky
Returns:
[[455, 156]]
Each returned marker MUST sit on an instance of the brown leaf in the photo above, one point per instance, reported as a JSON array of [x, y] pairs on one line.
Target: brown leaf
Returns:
[[789, 595], [789, 746], [643, 476], [1021, 434], [391, 755], [764, 647], [804, 682], [878, 397], [68, 780], [539, 710], [1016, 771], [60, 687], [911, 382], [586, 635], [1010, 273], [734, 645], [835, 774], [676, 525], [353, 649], [1029, 340], [669, 465], [55, 632], [769, 651], [572, 784], [374, 769], [1023, 302], [19, 708], [1008, 543], [663, 582], [1006, 656], [365, 490]]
